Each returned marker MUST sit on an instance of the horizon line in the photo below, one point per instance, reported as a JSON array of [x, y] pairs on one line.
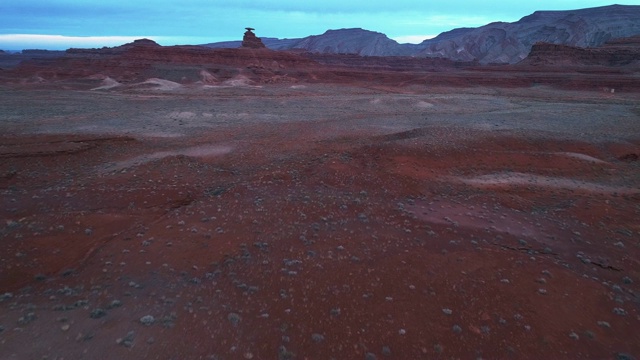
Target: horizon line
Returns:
[[18, 42]]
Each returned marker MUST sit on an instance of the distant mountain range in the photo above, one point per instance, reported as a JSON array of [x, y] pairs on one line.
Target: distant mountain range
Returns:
[[499, 42]]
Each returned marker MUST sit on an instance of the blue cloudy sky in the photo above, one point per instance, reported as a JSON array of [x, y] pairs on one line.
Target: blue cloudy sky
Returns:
[[60, 24]]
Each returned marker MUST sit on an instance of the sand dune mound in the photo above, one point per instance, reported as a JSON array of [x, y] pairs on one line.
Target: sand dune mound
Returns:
[[157, 84], [517, 179], [239, 80], [200, 151], [208, 78], [108, 83]]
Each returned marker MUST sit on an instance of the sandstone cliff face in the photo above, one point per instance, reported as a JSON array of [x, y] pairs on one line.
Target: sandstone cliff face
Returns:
[[353, 41], [342, 41], [511, 42], [616, 53], [115, 50], [182, 64]]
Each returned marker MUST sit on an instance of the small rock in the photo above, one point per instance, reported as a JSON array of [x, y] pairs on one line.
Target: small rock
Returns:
[[317, 338], [284, 354], [234, 319], [386, 351], [97, 313], [147, 320], [127, 341], [67, 272], [573, 335], [457, 329], [620, 311], [114, 304], [623, 356], [604, 324], [65, 327], [447, 311], [370, 356]]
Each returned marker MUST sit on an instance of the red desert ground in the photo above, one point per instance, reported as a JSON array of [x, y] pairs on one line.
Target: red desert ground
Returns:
[[195, 203]]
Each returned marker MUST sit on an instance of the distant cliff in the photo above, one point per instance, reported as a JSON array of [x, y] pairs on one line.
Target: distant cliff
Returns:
[[618, 52], [500, 42], [511, 42]]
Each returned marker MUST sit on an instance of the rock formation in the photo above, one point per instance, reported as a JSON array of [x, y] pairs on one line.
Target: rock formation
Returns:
[[508, 43], [250, 40], [499, 42], [619, 52], [144, 43], [136, 63], [354, 41]]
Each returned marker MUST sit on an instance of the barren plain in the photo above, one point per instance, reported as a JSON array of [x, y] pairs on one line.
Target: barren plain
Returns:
[[319, 221]]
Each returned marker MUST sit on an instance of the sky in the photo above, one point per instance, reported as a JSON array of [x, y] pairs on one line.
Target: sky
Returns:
[[61, 24]]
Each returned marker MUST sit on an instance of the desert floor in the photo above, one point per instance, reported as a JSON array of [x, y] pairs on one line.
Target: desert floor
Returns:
[[319, 221]]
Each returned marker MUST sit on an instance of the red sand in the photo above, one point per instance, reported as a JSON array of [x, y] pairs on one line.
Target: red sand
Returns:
[[319, 222]]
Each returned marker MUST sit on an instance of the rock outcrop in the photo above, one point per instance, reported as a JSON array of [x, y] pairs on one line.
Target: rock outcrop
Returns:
[[616, 53], [250, 40]]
